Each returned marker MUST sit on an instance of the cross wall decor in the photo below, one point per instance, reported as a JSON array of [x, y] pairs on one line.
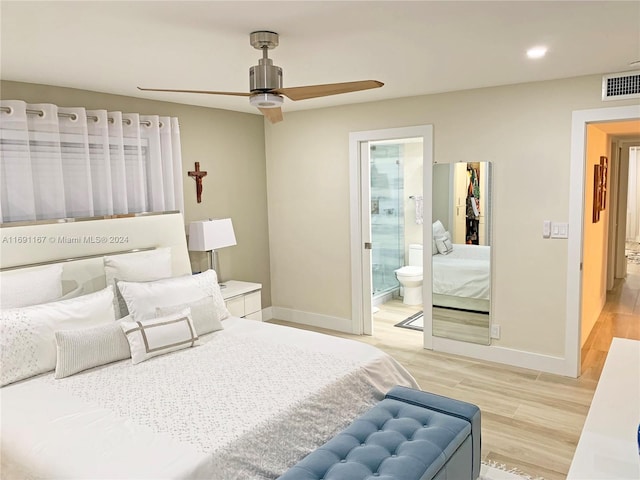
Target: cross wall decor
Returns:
[[197, 175]]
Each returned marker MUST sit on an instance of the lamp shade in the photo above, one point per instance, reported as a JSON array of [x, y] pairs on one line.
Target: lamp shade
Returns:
[[207, 235]]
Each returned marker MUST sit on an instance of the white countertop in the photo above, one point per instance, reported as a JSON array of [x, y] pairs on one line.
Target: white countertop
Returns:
[[608, 446]]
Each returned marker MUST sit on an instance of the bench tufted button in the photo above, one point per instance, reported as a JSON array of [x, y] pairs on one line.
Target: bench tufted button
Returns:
[[376, 474], [394, 455], [363, 444], [343, 461]]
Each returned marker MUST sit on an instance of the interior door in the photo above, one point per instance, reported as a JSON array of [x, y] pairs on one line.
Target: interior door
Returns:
[[360, 215]]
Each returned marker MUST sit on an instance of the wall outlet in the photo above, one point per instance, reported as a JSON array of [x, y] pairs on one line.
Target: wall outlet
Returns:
[[495, 331]]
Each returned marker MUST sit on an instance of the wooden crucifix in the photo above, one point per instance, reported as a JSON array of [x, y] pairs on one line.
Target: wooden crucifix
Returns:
[[197, 175]]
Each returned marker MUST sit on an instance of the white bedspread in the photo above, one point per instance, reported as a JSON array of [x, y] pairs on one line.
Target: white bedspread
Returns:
[[246, 404], [463, 273]]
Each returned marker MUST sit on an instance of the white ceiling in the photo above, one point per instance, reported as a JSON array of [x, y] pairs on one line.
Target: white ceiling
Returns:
[[415, 47]]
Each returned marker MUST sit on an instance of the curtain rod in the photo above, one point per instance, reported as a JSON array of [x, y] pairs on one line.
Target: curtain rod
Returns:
[[73, 116]]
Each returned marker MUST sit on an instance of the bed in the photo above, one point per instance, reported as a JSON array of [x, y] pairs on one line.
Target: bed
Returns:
[[461, 278], [245, 401]]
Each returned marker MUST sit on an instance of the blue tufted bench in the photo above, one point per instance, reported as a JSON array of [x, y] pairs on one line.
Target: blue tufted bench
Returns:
[[410, 435]]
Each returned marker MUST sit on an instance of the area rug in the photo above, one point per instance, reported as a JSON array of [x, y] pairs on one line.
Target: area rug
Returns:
[[414, 322], [495, 471]]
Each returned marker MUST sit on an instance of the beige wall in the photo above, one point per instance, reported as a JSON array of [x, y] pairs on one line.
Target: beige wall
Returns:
[[412, 186], [594, 276], [525, 130], [228, 145]]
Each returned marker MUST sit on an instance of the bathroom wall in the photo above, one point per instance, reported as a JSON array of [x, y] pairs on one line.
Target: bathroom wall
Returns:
[[412, 162]]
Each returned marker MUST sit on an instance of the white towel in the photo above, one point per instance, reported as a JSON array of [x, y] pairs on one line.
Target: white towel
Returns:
[[419, 208]]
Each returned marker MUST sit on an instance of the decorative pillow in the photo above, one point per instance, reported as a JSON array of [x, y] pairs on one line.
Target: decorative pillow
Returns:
[[84, 348], [22, 288], [144, 297], [438, 229], [203, 313], [27, 335], [443, 243], [135, 267], [157, 336]]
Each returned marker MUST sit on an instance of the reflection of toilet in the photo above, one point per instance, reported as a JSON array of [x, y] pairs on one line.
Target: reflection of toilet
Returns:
[[410, 277]]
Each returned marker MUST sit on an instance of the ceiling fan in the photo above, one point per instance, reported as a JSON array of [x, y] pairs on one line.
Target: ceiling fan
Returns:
[[265, 82]]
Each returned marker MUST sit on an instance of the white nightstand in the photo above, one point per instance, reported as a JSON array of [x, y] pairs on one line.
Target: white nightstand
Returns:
[[243, 299]]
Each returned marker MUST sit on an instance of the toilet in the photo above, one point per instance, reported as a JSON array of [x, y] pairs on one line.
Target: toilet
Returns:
[[410, 276]]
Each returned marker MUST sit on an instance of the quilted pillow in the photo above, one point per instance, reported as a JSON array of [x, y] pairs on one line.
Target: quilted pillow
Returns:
[[143, 298], [157, 336], [22, 288], [135, 267], [27, 335]]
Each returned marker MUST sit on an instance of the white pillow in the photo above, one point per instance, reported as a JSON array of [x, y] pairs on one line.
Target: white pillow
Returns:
[[434, 247], [22, 288], [144, 297], [203, 313], [438, 229], [27, 335], [135, 267], [157, 336], [76, 292], [444, 244], [84, 348]]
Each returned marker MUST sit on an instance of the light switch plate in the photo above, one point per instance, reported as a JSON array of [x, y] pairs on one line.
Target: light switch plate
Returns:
[[546, 229], [559, 230]]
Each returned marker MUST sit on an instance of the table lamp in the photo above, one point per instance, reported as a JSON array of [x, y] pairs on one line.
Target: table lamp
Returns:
[[210, 235]]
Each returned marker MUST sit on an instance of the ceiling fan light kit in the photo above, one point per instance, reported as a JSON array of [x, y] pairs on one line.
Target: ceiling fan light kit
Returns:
[[265, 82], [266, 100]]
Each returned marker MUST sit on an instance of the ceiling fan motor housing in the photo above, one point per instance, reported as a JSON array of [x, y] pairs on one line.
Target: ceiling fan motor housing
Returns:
[[265, 77]]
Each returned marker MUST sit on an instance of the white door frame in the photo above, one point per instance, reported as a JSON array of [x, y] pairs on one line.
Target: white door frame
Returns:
[[580, 120], [360, 300]]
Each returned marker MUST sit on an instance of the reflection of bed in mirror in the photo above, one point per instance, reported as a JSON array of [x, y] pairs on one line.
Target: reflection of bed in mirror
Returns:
[[461, 278]]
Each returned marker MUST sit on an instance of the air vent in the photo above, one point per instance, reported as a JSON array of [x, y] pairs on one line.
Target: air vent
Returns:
[[620, 86]]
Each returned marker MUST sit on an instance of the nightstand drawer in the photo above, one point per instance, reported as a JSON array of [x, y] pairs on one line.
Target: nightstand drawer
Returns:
[[252, 302], [243, 299], [236, 306]]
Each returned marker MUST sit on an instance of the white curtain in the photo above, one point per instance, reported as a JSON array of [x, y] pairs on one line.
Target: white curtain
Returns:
[[60, 162]]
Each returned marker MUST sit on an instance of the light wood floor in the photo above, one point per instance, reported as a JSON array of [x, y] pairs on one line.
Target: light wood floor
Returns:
[[530, 420]]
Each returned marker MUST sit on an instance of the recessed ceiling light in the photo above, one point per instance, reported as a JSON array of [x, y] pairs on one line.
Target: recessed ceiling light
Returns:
[[537, 52]]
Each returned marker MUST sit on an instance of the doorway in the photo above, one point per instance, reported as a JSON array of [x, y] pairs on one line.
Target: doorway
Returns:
[[390, 174], [574, 333]]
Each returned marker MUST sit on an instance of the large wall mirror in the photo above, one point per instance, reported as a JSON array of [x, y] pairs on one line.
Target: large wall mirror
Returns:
[[462, 251]]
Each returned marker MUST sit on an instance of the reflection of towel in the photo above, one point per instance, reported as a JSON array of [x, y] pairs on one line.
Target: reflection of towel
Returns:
[[419, 209]]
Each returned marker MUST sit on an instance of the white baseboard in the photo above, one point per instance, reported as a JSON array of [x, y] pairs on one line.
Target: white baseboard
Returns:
[[267, 314], [508, 356], [312, 319]]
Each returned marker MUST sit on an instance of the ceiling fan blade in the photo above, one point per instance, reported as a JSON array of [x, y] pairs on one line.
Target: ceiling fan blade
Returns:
[[237, 94], [314, 91], [274, 115]]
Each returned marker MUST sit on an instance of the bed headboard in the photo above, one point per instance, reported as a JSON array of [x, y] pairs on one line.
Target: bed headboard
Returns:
[[80, 244]]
